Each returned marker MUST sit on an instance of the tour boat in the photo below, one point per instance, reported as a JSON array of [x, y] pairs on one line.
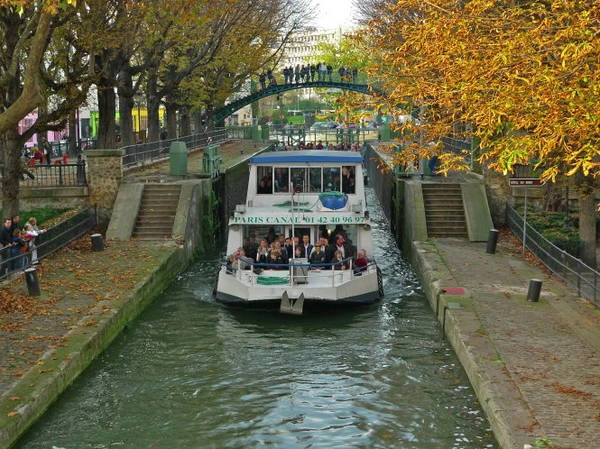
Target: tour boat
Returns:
[[318, 196]]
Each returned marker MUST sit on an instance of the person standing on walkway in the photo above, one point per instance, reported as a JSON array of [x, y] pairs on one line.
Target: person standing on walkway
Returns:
[[32, 231], [46, 150], [5, 244]]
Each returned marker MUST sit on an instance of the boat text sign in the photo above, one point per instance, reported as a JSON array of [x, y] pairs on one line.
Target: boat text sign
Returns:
[[300, 219]]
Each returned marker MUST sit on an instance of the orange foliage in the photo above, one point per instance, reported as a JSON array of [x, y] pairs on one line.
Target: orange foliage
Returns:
[[522, 77]]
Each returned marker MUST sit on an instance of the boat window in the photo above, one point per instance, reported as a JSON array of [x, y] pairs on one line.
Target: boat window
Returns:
[[315, 180], [331, 179], [348, 181], [299, 179], [264, 178], [258, 233], [282, 179]]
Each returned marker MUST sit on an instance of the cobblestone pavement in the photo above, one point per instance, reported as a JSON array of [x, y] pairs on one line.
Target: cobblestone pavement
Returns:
[[550, 349]]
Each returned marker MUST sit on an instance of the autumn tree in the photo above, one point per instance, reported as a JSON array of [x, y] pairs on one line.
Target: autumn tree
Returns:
[[521, 77], [34, 73], [254, 43]]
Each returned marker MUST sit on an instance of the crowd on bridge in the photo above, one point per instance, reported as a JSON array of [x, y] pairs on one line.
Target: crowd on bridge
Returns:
[[309, 73]]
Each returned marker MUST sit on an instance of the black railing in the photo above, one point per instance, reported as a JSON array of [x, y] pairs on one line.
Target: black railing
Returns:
[[295, 134], [151, 152], [459, 146], [52, 240], [55, 175], [570, 269]]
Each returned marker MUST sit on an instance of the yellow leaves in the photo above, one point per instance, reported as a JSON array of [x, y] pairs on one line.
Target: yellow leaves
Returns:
[[524, 77]]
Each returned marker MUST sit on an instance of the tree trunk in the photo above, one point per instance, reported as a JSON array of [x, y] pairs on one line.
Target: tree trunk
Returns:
[[185, 123], [587, 227], [106, 114], [73, 137], [11, 171], [153, 105], [171, 111], [30, 96], [126, 103]]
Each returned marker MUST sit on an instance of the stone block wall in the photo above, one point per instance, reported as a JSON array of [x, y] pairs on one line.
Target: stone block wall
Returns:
[[105, 172]]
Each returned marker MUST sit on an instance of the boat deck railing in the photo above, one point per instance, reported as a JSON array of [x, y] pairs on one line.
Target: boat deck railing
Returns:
[[297, 273]]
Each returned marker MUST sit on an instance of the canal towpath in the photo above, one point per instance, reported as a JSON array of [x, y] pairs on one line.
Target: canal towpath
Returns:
[[535, 366]]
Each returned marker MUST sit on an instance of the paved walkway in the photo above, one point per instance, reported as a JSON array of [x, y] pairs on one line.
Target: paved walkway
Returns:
[[549, 351]]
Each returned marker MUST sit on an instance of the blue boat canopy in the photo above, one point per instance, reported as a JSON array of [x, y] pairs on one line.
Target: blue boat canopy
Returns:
[[304, 156]]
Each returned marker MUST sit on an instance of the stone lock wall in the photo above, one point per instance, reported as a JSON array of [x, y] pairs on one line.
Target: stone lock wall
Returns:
[[105, 172]]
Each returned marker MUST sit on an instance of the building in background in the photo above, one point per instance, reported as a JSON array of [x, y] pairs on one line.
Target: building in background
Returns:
[[303, 47]]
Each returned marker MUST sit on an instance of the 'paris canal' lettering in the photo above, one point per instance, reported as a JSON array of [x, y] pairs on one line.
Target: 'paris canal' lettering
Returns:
[[300, 219]]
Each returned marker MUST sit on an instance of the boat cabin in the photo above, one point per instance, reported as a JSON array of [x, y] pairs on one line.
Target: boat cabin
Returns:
[[318, 193]]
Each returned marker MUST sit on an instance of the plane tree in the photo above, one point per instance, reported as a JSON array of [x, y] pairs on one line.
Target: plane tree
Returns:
[[520, 77], [38, 69]]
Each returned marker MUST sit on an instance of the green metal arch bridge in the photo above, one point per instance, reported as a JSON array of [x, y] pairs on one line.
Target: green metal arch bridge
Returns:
[[220, 114]]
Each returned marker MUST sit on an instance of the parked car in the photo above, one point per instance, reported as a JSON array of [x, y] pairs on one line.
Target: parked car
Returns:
[[347, 125]]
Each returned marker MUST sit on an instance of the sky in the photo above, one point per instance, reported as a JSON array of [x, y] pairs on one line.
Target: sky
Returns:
[[333, 13]]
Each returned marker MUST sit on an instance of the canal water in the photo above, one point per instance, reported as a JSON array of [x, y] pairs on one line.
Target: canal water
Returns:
[[190, 373]]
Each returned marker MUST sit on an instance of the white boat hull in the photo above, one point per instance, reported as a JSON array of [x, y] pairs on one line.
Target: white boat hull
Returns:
[[326, 286]]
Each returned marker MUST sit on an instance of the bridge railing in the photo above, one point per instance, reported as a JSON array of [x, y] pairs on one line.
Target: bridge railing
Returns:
[[294, 134], [335, 76]]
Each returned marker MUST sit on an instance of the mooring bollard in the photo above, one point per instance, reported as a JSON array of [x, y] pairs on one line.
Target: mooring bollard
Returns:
[[535, 288], [97, 242], [492, 241], [33, 285]]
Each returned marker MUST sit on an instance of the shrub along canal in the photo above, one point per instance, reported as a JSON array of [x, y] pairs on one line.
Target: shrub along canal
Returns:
[[189, 373]]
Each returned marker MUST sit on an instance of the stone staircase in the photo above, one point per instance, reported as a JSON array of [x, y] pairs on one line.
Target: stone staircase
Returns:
[[157, 211], [444, 210]]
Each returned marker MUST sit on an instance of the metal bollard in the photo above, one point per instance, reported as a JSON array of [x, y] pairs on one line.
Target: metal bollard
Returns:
[[97, 242], [33, 284], [492, 241], [535, 288]]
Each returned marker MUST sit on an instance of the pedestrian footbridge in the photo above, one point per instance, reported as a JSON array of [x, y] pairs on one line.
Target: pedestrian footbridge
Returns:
[[220, 114]]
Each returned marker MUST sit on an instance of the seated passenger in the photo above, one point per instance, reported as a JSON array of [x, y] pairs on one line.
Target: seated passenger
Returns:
[[338, 260], [244, 262], [262, 252], [317, 257], [361, 262], [276, 259]]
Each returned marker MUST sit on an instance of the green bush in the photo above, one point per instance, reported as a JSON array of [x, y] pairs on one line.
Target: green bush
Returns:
[[562, 231], [42, 214]]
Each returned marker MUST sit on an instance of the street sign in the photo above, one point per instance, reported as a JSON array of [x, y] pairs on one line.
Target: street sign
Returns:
[[525, 182]]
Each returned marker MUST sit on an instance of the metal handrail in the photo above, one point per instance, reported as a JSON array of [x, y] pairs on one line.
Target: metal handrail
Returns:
[[567, 267], [54, 239], [156, 151], [250, 265]]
